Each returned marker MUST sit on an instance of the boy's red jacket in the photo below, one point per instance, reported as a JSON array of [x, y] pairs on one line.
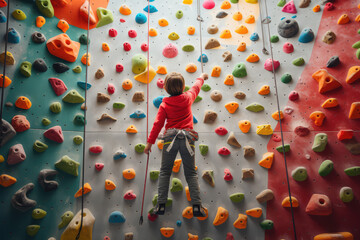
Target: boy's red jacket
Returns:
[[176, 110]]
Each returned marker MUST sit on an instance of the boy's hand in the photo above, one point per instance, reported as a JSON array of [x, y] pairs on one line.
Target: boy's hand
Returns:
[[147, 148], [204, 76]]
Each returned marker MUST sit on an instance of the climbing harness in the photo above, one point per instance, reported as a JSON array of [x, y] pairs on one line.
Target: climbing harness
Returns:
[[188, 147]]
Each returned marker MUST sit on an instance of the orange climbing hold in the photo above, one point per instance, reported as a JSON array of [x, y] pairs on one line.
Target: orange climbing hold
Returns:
[[225, 34], [254, 212], [286, 202], [163, 22], [60, 3], [40, 21], [7, 180], [63, 47], [275, 115], [250, 19], [326, 81], [131, 129], [334, 236], [23, 103], [232, 107], [206, 215], [237, 16], [84, 13], [152, 32], [191, 30], [63, 25], [330, 103], [216, 71], [354, 110], [241, 221], [167, 231], [129, 173], [225, 5], [125, 10], [177, 165], [87, 189], [229, 80], [105, 47], [316, 8], [242, 30], [161, 70], [318, 118], [221, 216], [267, 160], [192, 237], [187, 193], [109, 185], [3, 3], [264, 90], [160, 144], [241, 47], [191, 68], [188, 213], [86, 59], [127, 84], [357, 19], [244, 126], [253, 58], [353, 74], [343, 19], [7, 81]]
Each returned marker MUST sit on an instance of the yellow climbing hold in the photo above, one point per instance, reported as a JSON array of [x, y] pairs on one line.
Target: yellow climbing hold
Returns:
[[163, 22], [143, 77], [225, 34], [264, 129], [189, 2], [251, 1], [242, 30], [286, 202], [173, 36], [2, 159]]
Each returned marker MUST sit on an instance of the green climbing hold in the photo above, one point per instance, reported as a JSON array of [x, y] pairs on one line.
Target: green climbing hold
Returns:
[[140, 147], [179, 14], [320, 142], [18, 14], [198, 99], [25, 68], [206, 87], [286, 78], [77, 69], [38, 213], [83, 39], [32, 230], [346, 194], [281, 3], [39, 146], [188, 48], [55, 107], [79, 119], [139, 63], [255, 107], [267, 224], [73, 97], [286, 147], [299, 174], [358, 53], [176, 185], [118, 105], [68, 165], [154, 175], [45, 7], [234, 1], [78, 139], [66, 219], [186, 88], [45, 122], [352, 171], [239, 70], [237, 197], [356, 45], [326, 167], [359, 31], [105, 16], [168, 203], [173, 36], [207, 238], [299, 62], [204, 149], [274, 38]]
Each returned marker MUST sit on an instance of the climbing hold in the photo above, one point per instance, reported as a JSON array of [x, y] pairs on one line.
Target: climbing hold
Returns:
[[216, 71], [206, 87], [343, 19], [7, 81], [304, 3], [249, 151], [138, 114], [154, 175], [45, 121], [16, 154], [173, 36], [84, 13], [96, 149], [319, 204], [128, 236], [55, 107], [20, 123], [316, 8], [160, 83], [240, 222], [208, 4], [139, 148], [176, 185], [275, 115], [38, 213], [73, 96], [20, 201], [225, 5], [264, 129], [139, 63], [289, 7], [76, 69], [267, 160], [144, 47], [318, 118], [32, 230], [87, 189], [286, 202], [60, 67], [247, 173], [188, 48], [188, 212], [99, 73], [72, 229], [264, 90], [244, 126], [10, 60], [224, 151], [267, 224], [110, 185], [117, 217], [23, 102], [150, 9], [254, 37], [140, 18], [167, 204], [212, 43], [227, 56], [210, 116], [237, 16], [225, 34], [345, 134], [216, 96], [161, 70], [346, 194], [40, 21], [204, 149], [270, 66], [239, 95], [124, 10], [191, 236], [265, 195], [288, 47], [63, 47], [254, 212], [105, 17], [233, 141], [45, 183], [163, 22], [354, 112], [203, 58], [129, 195], [63, 25], [221, 216], [119, 68], [208, 176], [255, 107], [221, 14], [329, 37], [333, 62], [330, 103], [83, 39], [326, 168], [13, 36], [40, 65], [131, 129], [66, 219], [177, 165], [86, 59], [229, 81], [293, 95], [191, 30], [250, 19], [253, 58], [299, 174], [239, 70], [167, 231], [274, 39], [298, 61], [212, 29], [2, 17], [353, 74], [170, 51], [18, 14], [25, 68], [45, 7], [237, 197], [333, 236], [157, 101], [7, 180], [306, 36], [67, 165], [288, 28], [352, 171], [227, 176]]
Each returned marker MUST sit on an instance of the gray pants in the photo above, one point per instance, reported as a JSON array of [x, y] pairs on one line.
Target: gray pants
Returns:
[[167, 164]]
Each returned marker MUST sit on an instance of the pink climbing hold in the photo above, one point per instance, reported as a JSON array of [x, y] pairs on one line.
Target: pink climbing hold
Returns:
[[132, 33], [16, 154], [129, 195], [294, 95], [127, 46], [122, 20], [276, 138], [55, 134], [329, 6], [289, 7], [112, 32], [268, 64], [227, 176], [170, 51], [119, 68], [209, 4], [84, 13], [288, 47], [144, 47], [96, 149], [111, 88], [221, 131], [224, 151], [160, 83], [229, 236], [58, 86], [99, 166]]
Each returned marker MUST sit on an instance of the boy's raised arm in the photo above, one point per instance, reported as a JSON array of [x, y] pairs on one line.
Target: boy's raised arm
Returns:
[[195, 89]]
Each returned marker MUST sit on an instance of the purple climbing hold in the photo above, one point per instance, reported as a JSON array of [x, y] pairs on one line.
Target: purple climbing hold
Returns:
[[16, 154], [55, 134], [289, 7], [170, 51], [209, 4], [58, 86], [269, 65]]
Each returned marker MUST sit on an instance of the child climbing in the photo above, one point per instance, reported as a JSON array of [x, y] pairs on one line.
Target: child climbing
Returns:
[[179, 136]]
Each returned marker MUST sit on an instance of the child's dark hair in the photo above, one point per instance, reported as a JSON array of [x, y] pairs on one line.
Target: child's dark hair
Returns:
[[174, 84]]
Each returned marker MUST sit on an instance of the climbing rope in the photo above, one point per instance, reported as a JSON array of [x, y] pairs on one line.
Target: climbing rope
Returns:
[[280, 124], [200, 19], [147, 114], [85, 109]]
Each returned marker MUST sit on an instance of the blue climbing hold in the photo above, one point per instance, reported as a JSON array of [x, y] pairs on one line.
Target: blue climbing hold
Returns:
[[140, 18], [119, 155], [254, 37], [151, 0], [83, 84], [116, 217], [157, 101], [178, 223], [307, 35], [138, 114], [293, 16], [13, 36], [282, 18], [195, 120], [152, 9], [204, 58], [2, 17]]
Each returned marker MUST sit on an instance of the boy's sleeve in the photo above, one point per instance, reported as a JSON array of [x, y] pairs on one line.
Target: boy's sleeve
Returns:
[[158, 125], [195, 89]]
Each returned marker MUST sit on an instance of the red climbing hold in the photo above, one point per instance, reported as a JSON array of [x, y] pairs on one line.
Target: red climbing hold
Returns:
[[144, 47], [229, 236], [221, 131], [55, 134], [122, 20], [224, 151], [111, 88], [160, 83], [293, 95], [345, 134], [132, 33], [96, 149], [227, 176], [58, 86], [319, 204], [288, 47], [99, 166], [129, 195], [3, 3], [302, 131], [276, 138], [329, 6], [119, 68], [152, 217], [112, 32], [127, 46]]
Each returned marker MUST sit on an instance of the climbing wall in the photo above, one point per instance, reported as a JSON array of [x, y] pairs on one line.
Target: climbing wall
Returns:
[[110, 148]]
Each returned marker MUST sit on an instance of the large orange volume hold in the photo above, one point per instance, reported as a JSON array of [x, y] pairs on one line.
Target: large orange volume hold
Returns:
[[63, 47], [354, 110], [326, 81]]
